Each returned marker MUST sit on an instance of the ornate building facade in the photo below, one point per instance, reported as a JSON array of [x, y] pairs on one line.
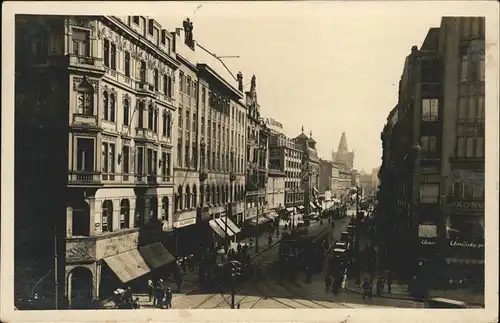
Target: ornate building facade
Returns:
[[109, 97]]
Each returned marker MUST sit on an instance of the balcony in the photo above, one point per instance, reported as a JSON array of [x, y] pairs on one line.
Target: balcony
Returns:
[[145, 88], [145, 134], [86, 62], [232, 176], [203, 175], [165, 139], [84, 178]]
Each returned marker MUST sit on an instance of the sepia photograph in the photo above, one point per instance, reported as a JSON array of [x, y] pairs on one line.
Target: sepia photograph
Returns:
[[236, 156]]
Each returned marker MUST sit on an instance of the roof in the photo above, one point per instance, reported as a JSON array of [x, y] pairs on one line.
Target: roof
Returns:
[[202, 55], [302, 136]]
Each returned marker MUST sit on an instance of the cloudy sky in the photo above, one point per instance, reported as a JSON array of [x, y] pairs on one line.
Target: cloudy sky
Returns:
[[330, 67]]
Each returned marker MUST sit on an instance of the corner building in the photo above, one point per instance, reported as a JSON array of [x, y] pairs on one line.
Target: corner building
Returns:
[[101, 92]]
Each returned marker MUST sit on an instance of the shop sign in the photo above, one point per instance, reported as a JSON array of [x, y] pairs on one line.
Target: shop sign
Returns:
[[428, 242], [184, 223], [80, 251], [117, 244], [466, 244], [469, 205]]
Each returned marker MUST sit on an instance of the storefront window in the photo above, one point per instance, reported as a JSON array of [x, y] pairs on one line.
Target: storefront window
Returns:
[[465, 228]]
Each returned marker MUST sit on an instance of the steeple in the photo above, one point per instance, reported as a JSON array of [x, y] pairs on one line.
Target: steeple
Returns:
[[342, 149]]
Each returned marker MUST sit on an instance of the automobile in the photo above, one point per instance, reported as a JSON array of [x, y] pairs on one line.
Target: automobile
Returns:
[[346, 237], [351, 229], [341, 245]]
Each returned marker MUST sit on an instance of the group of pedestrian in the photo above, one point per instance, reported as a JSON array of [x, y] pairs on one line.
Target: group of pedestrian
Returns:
[[367, 286], [161, 296]]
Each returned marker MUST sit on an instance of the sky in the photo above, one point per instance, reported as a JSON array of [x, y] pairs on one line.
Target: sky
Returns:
[[327, 66], [330, 68]]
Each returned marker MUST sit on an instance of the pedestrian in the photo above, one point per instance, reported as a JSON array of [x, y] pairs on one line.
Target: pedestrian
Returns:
[[367, 289], [238, 306], [238, 247], [380, 287], [168, 298], [251, 242], [389, 281], [135, 304], [160, 291], [328, 282], [269, 241], [128, 295], [150, 289], [286, 226]]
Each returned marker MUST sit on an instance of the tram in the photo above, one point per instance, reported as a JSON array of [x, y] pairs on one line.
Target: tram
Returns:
[[305, 246]]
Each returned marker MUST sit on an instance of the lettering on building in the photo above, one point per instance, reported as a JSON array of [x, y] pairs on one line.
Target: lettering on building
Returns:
[[427, 242], [79, 251], [466, 244], [469, 205]]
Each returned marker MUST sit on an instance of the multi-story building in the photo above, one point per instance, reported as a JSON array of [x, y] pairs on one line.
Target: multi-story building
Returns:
[[209, 169], [326, 176], [276, 189], [310, 171], [285, 156], [366, 183], [257, 156], [95, 100], [344, 181], [434, 154]]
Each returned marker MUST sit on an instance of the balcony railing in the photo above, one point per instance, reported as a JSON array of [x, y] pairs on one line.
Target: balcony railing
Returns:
[[85, 120], [144, 133], [84, 177], [85, 61]]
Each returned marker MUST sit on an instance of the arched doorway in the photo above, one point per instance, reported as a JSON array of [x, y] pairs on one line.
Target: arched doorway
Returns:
[[80, 225], [80, 288], [124, 214]]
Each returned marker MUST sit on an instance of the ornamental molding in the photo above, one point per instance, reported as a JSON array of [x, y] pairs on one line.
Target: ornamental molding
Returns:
[[108, 138], [77, 81], [77, 22], [126, 97], [109, 89]]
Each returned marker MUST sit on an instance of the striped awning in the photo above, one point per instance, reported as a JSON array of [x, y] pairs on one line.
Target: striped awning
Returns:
[[223, 226], [464, 261]]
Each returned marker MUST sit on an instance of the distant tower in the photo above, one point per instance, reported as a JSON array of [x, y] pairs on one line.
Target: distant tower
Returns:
[[343, 155]]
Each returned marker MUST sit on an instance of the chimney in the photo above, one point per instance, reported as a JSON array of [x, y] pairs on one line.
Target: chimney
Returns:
[[188, 33]]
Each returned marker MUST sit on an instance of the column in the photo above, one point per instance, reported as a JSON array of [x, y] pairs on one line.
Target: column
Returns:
[[69, 221], [116, 215], [132, 212], [92, 215]]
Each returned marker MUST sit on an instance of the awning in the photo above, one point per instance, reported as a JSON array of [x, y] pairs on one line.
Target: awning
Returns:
[[300, 207], [261, 219], [222, 225], [289, 209], [231, 225], [138, 262], [217, 229], [272, 215]]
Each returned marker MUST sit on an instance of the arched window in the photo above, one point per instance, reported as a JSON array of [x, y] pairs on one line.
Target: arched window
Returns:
[[139, 211], [169, 125], [142, 71], [112, 107], [124, 214], [195, 196], [188, 198], [155, 120], [219, 194], [107, 216], [150, 117], [140, 117], [178, 201], [164, 209], [105, 105], [85, 98], [215, 195]]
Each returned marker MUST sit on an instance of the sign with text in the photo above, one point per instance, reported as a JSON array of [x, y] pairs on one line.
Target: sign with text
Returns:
[[466, 244], [184, 223], [469, 205], [80, 250], [428, 242], [111, 246]]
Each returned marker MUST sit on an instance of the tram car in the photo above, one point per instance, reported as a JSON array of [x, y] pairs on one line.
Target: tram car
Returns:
[[305, 245]]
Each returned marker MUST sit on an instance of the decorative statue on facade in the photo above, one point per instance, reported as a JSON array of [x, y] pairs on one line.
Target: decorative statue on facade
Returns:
[[188, 31], [239, 77], [253, 84]]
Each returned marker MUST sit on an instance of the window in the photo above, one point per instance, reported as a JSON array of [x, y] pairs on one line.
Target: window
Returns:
[[108, 158], [194, 155], [462, 108], [125, 159], [202, 125], [85, 154], [140, 160], [471, 109], [481, 68], [163, 36], [150, 29], [195, 89], [179, 152], [187, 120], [126, 112], [165, 165], [112, 106], [179, 121], [182, 82], [113, 56], [188, 86], [480, 107], [430, 109], [85, 99], [150, 117], [140, 117], [188, 198], [135, 19], [106, 52], [167, 86], [156, 79], [164, 209], [139, 211], [461, 146], [464, 68], [195, 123], [203, 95], [81, 43], [106, 105], [186, 153], [477, 190], [142, 72], [107, 216], [124, 214], [480, 147], [470, 147], [127, 64]]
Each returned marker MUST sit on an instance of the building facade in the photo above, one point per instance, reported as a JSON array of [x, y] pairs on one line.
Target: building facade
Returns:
[[433, 159], [276, 189], [209, 169], [343, 155], [110, 106], [285, 156]]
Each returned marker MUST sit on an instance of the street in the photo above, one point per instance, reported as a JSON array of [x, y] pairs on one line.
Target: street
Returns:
[[268, 293]]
